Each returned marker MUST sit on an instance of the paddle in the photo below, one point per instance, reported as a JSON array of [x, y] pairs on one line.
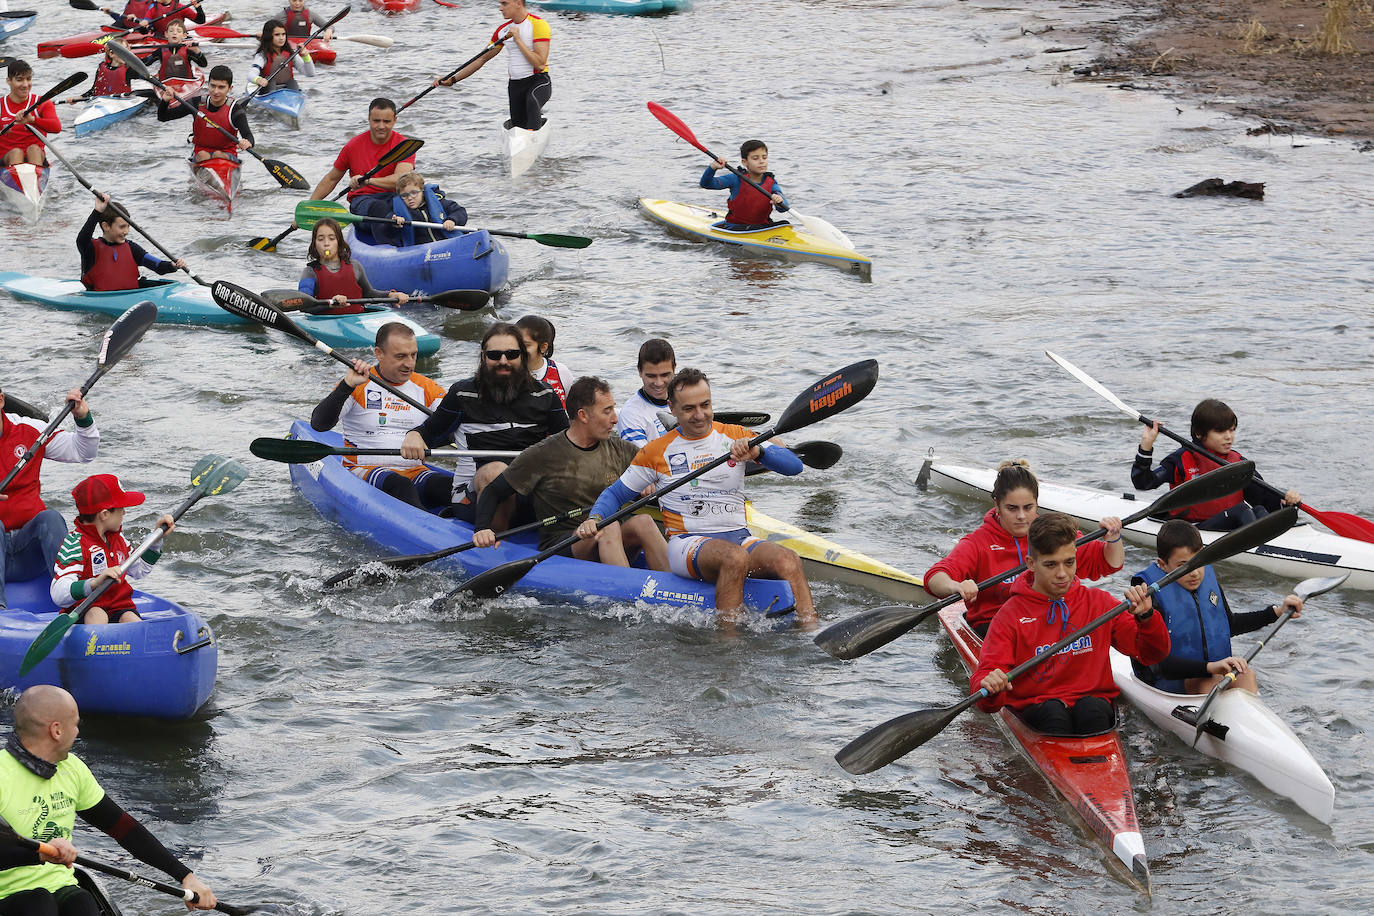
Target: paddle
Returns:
[[100, 42], [736, 417], [1343, 523], [295, 52], [465, 300], [217, 32], [814, 224], [21, 408], [452, 73], [304, 451], [69, 82], [413, 561], [285, 175], [213, 475], [814, 453], [1308, 588], [838, 391], [119, 339], [884, 743], [310, 212], [251, 306], [403, 150], [862, 633]]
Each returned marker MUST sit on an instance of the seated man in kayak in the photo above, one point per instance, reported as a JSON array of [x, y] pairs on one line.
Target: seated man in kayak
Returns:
[[177, 59], [639, 422], [529, 88], [360, 155], [1072, 693], [218, 107], [109, 261], [166, 12], [567, 471], [301, 22], [1199, 619], [272, 67], [415, 201], [331, 273], [536, 336], [749, 209], [707, 535], [501, 407], [1213, 428], [19, 143], [369, 416]]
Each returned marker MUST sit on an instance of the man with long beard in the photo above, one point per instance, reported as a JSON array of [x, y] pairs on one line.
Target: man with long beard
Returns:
[[502, 407]]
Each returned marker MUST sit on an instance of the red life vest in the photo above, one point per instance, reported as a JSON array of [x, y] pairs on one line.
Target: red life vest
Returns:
[[176, 63], [1195, 466], [111, 80], [329, 284], [114, 268], [135, 10], [181, 12], [749, 207], [205, 137], [113, 550], [24, 500], [274, 59], [555, 381], [298, 24]]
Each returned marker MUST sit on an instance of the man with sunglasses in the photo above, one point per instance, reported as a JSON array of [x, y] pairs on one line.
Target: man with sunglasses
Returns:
[[501, 407]]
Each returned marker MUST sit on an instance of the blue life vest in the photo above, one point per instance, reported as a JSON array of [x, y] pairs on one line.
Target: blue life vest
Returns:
[[434, 213], [1199, 627]]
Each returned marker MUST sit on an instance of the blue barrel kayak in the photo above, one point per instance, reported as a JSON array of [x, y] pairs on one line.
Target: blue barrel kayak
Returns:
[[620, 7], [473, 260], [181, 302], [162, 666], [361, 508], [284, 104]]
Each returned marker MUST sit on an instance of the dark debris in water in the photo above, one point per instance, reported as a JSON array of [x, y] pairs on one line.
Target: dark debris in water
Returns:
[[1215, 187]]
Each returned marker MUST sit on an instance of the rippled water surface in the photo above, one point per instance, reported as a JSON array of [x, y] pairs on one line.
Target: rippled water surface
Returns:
[[361, 755]]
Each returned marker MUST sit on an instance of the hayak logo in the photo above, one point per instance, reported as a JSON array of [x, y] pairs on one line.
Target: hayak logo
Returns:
[[828, 392]]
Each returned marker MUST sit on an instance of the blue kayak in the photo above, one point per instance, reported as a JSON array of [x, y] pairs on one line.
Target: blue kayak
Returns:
[[105, 110], [620, 7], [473, 260], [285, 104], [15, 22], [342, 496], [162, 666]]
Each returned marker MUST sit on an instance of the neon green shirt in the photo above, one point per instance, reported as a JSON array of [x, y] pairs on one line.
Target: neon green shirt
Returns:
[[43, 809]]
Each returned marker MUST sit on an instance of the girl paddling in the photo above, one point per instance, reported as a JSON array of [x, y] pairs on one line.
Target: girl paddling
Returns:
[[331, 273]]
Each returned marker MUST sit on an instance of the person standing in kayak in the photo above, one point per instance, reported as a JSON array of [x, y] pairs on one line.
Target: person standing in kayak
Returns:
[[19, 143], [273, 50], [749, 210], [109, 261], [1213, 428], [639, 420], [708, 538], [1000, 544], [218, 107], [331, 273], [1199, 619], [177, 59], [530, 86], [1072, 693], [301, 22], [369, 416], [361, 154], [536, 336], [415, 201]]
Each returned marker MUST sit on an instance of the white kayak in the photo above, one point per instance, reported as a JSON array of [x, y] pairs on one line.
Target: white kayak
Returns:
[[522, 147], [1243, 732], [1298, 553], [24, 187], [102, 111]]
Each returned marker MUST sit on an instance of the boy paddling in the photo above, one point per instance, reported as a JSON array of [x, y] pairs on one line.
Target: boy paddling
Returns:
[[748, 208], [20, 144], [110, 261], [217, 107]]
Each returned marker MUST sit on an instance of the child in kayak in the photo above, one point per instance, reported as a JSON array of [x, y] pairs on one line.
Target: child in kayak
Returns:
[[1214, 429], [19, 144], [331, 273], [1199, 619], [415, 201], [96, 547], [275, 51], [177, 59], [111, 262], [749, 210], [536, 337]]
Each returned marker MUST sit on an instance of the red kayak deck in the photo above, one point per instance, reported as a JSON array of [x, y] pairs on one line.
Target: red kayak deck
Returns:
[[395, 6], [1090, 772], [218, 179], [53, 46]]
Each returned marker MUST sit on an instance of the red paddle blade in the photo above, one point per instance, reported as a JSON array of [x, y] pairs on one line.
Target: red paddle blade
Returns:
[[1344, 523], [219, 31], [674, 123], [84, 49]]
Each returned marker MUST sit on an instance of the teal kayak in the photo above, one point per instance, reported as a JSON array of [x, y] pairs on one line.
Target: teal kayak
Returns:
[[183, 302], [286, 104], [615, 7]]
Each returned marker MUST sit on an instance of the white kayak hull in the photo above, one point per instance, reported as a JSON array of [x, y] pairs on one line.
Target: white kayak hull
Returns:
[[24, 187], [522, 148], [103, 111]]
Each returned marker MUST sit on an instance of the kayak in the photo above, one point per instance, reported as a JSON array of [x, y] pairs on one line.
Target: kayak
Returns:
[[102, 111], [103, 904], [162, 666], [186, 86], [522, 147], [473, 260], [785, 240], [52, 47], [616, 7], [395, 6], [24, 187], [218, 179], [13, 23], [1299, 553], [339, 494], [321, 52], [183, 302], [285, 104], [1089, 771], [1242, 731]]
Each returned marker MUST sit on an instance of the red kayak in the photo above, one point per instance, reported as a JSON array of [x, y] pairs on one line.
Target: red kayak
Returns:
[[1089, 772], [396, 6], [218, 179], [320, 51], [53, 46]]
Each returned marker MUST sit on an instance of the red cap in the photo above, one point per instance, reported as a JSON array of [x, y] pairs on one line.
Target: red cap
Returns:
[[102, 491]]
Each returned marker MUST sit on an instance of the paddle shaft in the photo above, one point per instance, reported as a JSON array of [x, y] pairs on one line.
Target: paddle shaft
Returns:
[[143, 73], [452, 73], [51, 429], [114, 871], [57, 90], [1207, 453], [105, 39], [295, 52]]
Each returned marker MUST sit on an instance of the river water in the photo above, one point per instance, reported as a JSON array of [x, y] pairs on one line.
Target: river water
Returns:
[[362, 755]]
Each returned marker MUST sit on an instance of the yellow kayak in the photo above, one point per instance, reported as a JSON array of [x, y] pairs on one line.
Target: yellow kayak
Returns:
[[787, 241]]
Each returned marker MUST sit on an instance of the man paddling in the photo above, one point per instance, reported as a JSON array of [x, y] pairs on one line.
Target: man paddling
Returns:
[[361, 154], [20, 143], [530, 87], [216, 105], [43, 787], [109, 261]]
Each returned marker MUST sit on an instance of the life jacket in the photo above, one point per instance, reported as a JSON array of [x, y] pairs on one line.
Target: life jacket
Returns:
[[554, 380], [1195, 466], [176, 63], [25, 500], [434, 213], [205, 137], [1199, 627], [749, 207], [111, 80], [114, 268], [177, 11], [298, 24], [135, 10], [99, 554], [329, 284], [273, 60]]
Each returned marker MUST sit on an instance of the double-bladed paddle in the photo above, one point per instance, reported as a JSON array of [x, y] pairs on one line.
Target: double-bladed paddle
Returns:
[[285, 175], [213, 475], [465, 300], [305, 451], [1343, 523], [1307, 588], [69, 82], [862, 633], [813, 453], [736, 417], [401, 151], [250, 305], [882, 744], [119, 339], [832, 394], [452, 73], [22, 408], [295, 52], [217, 32], [310, 212]]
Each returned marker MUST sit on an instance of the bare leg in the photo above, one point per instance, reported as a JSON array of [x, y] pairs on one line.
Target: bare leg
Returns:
[[606, 548], [129, 617], [1201, 685], [641, 532], [773, 561], [14, 157], [34, 155], [96, 615], [488, 472], [202, 155], [727, 565]]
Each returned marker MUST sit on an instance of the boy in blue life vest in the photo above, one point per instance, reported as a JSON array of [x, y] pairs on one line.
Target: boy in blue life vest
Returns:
[[748, 208], [416, 201], [1199, 619]]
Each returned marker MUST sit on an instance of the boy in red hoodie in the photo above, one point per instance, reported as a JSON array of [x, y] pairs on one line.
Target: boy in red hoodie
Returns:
[[1070, 694]]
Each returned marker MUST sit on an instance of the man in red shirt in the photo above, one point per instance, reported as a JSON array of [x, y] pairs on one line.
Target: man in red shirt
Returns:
[[19, 144], [361, 154]]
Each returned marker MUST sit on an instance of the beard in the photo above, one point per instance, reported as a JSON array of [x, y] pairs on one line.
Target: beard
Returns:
[[503, 390]]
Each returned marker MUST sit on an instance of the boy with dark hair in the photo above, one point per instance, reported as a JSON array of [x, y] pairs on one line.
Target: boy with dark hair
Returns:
[[749, 210], [19, 143], [110, 261]]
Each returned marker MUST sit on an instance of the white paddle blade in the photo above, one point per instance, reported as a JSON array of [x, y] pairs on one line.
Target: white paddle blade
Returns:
[[822, 229], [1093, 383]]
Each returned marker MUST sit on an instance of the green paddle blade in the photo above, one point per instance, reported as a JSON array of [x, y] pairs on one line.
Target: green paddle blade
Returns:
[[554, 240], [310, 212], [226, 477], [290, 451], [42, 647]]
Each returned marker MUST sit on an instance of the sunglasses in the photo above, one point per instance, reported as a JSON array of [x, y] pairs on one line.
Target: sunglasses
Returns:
[[498, 355]]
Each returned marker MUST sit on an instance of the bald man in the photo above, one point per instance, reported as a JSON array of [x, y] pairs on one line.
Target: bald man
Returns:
[[43, 786]]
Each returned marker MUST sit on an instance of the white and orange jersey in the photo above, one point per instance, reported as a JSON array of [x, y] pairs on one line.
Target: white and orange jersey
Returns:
[[711, 503], [533, 29], [373, 417]]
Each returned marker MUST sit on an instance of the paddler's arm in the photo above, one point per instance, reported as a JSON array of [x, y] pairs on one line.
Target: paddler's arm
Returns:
[[147, 259], [326, 413], [437, 428], [713, 182], [470, 69], [780, 460], [537, 53], [238, 118], [607, 504], [327, 184], [998, 656], [85, 241], [196, 56], [1143, 636], [493, 494], [170, 109]]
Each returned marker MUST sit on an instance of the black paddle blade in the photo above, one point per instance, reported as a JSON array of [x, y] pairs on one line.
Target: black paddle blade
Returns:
[[1260, 531], [84, 5], [839, 391], [286, 176], [1213, 485], [289, 300], [250, 305], [131, 60], [492, 583], [466, 300], [1311, 588], [895, 738], [819, 454], [861, 634], [70, 82], [290, 451], [23, 408], [127, 330]]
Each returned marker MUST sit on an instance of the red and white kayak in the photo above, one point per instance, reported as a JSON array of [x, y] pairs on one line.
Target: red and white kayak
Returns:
[[320, 51], [53, 46], [186, 86], [24, 187], [218, 179], [1090, 771], [395, 6]]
